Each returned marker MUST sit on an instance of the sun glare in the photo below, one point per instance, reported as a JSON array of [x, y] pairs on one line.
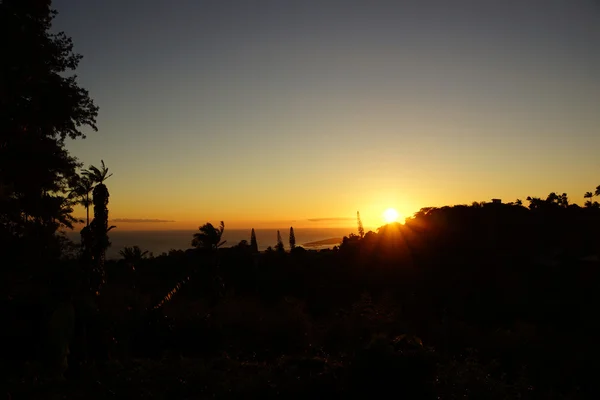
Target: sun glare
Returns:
[[390, 215]]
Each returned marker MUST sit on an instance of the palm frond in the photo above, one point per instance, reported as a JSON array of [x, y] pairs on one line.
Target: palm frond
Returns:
[[95, 174]]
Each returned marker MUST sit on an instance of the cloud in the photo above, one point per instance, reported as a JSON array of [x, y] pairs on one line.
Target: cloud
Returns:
[[139, 220], [330, 219]]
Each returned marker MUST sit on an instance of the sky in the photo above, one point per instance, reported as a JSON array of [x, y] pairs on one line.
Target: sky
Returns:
[[278, 113]]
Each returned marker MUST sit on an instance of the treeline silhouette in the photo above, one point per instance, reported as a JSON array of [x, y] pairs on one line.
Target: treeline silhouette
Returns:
[[487, 300]]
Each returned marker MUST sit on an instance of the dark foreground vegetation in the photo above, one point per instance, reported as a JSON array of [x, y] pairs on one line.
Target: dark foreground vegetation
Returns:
[[493, 301], [482, 301]]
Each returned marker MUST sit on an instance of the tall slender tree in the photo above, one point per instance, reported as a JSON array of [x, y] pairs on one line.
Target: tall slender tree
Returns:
[[253, 242], [292, 238], [96, 235], [82, 188], [279, 246], [361, 230]]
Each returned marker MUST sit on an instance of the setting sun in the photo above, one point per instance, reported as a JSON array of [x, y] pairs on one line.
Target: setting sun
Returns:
[[390, 215]]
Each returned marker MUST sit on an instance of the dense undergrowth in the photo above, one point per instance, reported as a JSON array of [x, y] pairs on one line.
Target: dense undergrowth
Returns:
[[453, 305]]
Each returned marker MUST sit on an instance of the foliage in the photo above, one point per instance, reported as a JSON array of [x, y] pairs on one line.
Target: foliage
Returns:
[[133, 255], [95, 236], [209, 237], [97, 175], [82, 187], [458, 302], [361, 230], [253, 242], [41, 106], [292, 239], [279, 246]]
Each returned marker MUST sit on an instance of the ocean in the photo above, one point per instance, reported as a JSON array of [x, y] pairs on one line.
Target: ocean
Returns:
[[158, 242]]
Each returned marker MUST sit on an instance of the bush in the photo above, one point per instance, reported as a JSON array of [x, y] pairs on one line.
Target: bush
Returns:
[[249, 325]]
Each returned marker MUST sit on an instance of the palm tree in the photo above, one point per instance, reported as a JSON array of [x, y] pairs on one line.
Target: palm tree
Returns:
[[588, 195], [97, 175], [97, 233], [563, 200], [133, 255], [100, 194], [597, 192], [83, 188], [209, 237]]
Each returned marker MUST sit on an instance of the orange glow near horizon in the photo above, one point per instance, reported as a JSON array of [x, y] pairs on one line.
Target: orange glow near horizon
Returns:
[[265, 206], [371, 216]]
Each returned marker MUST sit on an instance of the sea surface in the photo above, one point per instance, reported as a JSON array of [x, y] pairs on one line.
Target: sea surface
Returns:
[[158, 242]]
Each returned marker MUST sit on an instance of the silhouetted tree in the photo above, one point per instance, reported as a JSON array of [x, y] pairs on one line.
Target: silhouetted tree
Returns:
[[536, 203], [98, 230], [97, 175], [361, 229], [209, 237], [597, 192], [41, 106], [554, 199], [588, 195], [563, 200], [350, 242], [292, 239], [279, 246], [133, 255], [82, 188], [253, 242]]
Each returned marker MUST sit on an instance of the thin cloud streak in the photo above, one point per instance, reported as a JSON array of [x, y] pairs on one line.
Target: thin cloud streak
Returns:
[[138, 220], [330, 219]]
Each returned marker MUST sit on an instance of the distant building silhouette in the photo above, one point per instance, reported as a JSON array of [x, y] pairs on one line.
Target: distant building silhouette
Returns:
[[497, 201]]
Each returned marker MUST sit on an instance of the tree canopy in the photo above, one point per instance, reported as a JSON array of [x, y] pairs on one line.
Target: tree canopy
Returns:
[[209, 237], [41, 106]]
